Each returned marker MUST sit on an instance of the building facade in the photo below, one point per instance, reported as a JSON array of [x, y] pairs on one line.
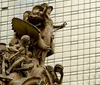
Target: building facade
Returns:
[[77, 46]]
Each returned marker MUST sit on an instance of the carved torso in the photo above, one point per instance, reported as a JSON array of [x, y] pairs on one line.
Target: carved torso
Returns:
[[48, 31]]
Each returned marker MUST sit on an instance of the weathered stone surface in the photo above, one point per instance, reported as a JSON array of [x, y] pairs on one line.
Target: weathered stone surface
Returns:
[[23, 62]]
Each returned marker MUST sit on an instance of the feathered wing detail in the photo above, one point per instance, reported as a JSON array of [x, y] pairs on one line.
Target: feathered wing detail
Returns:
[[22, 27]]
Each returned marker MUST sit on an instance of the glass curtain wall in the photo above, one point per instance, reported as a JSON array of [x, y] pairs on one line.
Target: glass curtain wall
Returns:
[[77, 46]]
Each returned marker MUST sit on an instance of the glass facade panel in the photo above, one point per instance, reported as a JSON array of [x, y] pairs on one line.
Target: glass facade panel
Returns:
[[77, 46]]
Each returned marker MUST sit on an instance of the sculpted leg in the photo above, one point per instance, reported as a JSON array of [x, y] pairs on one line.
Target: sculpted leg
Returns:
[[42, 59], [16, 63], [42, 44]]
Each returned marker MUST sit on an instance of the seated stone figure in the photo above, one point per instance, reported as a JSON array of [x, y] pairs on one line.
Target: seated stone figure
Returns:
[[21, 55], [2, 58]]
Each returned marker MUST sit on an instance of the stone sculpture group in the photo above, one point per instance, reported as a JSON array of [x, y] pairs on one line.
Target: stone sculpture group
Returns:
[[23, 62]]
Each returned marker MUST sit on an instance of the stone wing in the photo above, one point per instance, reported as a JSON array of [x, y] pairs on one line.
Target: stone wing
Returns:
[[22, 27]]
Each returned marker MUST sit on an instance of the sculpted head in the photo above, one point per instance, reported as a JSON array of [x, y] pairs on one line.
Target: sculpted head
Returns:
[[58, 68], [50, 68], [37, 9], [25, 40], [2, 47]]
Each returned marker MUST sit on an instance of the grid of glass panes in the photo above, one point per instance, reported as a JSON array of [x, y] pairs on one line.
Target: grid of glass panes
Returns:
[[77, 46]]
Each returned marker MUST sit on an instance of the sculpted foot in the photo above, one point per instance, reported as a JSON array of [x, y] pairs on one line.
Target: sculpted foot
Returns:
[[8, 71]]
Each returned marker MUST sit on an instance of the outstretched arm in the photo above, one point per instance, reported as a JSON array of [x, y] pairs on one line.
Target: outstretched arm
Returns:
[[57, 27]]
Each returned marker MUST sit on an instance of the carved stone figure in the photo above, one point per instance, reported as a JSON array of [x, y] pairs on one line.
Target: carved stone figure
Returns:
[[3, 64], [53, 73], [23, 62], [59, 68], [22, 54], [46, 33], [3, 56]]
